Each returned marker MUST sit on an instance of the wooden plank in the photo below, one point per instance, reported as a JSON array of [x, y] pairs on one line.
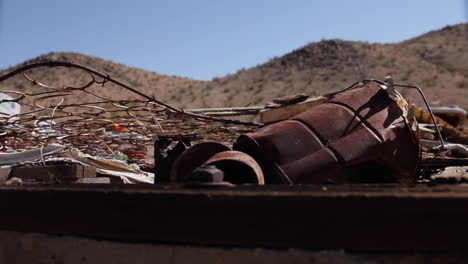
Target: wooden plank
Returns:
[[359, 217], [288, 111], [97, 180], [228, 111], [62, 173]]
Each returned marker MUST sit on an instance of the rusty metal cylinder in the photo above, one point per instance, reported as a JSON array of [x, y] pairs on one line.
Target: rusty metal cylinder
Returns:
[[362, 134], [238, 167]]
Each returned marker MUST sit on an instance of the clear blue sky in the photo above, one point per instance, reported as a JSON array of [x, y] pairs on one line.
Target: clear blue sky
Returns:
[[203, 39]]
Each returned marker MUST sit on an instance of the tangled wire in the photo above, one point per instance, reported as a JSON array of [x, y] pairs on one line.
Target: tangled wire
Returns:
[[101, 126]]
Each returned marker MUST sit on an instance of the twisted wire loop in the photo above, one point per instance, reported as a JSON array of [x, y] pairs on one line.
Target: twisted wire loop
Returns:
[[98, 121]]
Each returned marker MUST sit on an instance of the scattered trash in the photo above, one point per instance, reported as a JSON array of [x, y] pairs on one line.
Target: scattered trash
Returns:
[[15, 168], [14, 181], [449, 132], [372, 137], [451, 175], [128, 173], [29, 155], [102, 124], [454, 150], [8, 106], [364, 133]]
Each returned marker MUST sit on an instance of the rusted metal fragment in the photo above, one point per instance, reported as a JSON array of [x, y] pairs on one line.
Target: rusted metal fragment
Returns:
[[165, 156], [207, 175], [238, 167], [193, 158], [215, 164], [362, 134]]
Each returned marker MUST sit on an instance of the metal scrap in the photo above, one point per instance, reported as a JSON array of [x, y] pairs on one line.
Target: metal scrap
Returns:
[[29, 155], [365, 133], [372, 132], [368, 134], [50, 115]]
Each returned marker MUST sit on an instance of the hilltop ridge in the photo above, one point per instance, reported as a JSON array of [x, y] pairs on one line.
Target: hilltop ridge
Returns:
[[437, 61]]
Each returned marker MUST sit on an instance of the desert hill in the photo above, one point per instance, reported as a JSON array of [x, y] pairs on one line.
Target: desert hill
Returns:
[[436, 61], [150, 83]]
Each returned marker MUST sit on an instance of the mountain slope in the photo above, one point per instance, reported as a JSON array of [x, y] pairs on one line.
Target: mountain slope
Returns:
[[148, 82], [436, 61]]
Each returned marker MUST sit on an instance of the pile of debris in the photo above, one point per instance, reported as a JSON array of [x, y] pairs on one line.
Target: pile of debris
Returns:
[[366, 133]]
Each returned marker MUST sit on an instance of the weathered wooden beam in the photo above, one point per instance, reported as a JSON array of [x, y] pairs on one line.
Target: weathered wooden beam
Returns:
[[61, 173], [227, 111], [288, 111], [352, 217]]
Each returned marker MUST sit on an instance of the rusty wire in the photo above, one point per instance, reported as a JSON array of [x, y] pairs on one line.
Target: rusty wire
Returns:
[[101, 126]]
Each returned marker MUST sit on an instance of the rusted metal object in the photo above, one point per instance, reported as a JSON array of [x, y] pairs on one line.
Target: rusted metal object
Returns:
[[165, 156], [238, 167], [365, 133], [206, 159], [193, 158], [362, 134], [207, 176]]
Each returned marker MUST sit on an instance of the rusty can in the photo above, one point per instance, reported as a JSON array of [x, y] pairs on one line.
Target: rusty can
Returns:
[[362, 134]]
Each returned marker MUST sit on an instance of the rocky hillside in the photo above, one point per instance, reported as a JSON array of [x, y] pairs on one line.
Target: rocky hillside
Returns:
[[436, 61], [151, 83]]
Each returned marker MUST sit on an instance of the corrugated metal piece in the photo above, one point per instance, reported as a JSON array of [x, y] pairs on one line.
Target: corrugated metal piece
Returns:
[[362, 134]]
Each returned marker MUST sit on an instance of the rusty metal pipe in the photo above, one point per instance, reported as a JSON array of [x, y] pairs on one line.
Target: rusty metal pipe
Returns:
[[363, 133]]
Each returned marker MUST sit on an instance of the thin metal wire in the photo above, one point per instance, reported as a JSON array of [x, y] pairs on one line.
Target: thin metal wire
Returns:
[[107, 78], [87, 118], [406, 86], [428, 108]]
